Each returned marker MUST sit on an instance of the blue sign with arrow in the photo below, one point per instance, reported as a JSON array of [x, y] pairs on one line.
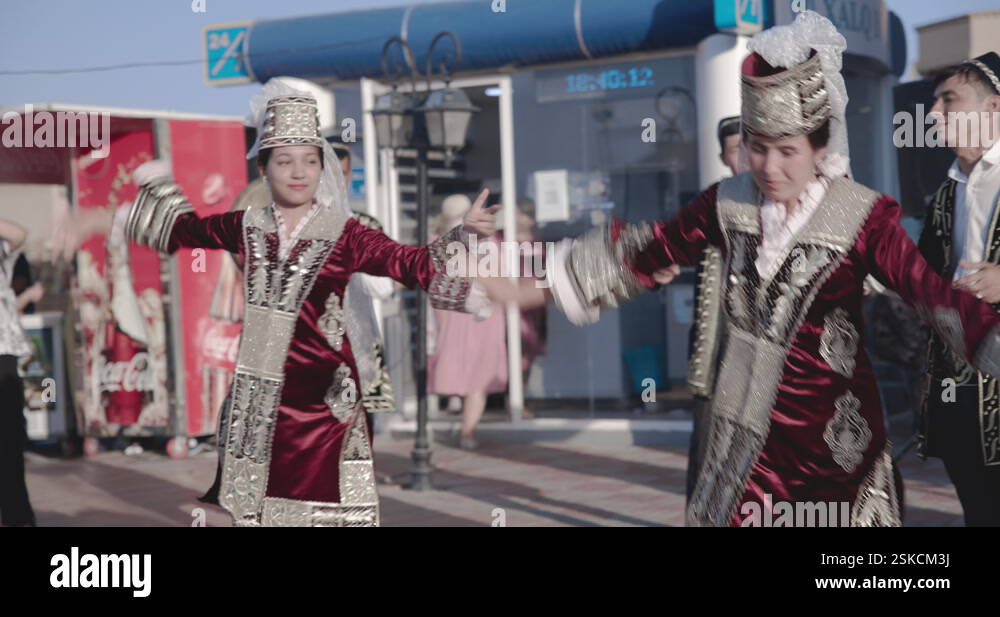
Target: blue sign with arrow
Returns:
[[225, 53]]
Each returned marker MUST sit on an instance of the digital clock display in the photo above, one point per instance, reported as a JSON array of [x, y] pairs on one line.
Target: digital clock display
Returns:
[[610, 79], [617, 80]]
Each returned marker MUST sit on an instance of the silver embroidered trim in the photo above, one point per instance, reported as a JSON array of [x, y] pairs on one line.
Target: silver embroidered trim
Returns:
[[838, 344], [598, 267], [154, 212], [877, 504], [378, 394], [847, 433], [702, 365], [280, 512], [445, 292], [988, 355], [332, 322], [342, 396]]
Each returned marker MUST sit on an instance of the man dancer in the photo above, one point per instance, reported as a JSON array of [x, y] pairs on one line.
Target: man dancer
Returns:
[[961, 240], [706, 332]]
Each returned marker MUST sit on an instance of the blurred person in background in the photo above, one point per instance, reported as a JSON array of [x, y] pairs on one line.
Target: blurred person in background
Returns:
[[467, 354]]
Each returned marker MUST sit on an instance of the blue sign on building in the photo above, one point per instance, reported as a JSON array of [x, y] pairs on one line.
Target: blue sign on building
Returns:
[[224, 50], [740, 16]]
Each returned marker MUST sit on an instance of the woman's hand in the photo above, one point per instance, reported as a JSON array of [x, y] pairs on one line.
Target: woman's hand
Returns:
[[29, 295], [524, 293], [984, 282], [479, 220], [71, 228], [664, 276]]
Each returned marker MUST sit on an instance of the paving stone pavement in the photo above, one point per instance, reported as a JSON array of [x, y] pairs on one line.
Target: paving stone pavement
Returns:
[[515, 484]]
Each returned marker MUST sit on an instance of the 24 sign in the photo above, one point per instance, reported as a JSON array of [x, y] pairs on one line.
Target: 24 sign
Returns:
[[739, 16], [225, 54]]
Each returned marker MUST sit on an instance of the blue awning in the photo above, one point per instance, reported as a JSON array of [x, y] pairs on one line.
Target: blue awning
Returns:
[[348, 46]]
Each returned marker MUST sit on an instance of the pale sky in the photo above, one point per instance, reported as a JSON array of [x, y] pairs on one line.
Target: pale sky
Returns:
[[60, 34]]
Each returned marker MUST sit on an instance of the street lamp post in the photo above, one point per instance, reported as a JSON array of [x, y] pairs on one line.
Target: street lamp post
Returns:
[[446, 114]]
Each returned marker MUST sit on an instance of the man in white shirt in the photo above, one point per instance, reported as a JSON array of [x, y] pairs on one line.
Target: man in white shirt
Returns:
[[961, 239]]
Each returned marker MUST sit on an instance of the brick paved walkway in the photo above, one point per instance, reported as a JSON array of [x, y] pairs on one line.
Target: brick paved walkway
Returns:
[[532, 484]]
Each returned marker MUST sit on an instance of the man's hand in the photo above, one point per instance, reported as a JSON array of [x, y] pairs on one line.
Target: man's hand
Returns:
[[481, 221], [666, 275], [984, 282]]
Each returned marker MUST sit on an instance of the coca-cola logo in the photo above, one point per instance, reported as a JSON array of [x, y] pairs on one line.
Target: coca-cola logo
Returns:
[[136, 375], [214, 189], [219, 346]]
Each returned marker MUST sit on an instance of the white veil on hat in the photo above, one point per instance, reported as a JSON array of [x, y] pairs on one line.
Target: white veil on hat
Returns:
[[789, 45]]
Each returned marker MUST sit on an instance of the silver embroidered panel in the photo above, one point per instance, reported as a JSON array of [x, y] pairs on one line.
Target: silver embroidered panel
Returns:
[[847, 433], [261, 263], [304, 262], [357, 472], [838, 345], [739, 423]]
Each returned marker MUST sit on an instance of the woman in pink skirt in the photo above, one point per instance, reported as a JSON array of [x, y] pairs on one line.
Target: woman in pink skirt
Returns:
[[468, 355]]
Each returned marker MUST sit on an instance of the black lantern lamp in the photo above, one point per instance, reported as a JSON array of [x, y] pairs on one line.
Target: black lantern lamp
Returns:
[[393, 111], [447, 112]]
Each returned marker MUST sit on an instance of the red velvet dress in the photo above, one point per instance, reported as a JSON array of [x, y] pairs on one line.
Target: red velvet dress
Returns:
[[298, 450], [796, 416]]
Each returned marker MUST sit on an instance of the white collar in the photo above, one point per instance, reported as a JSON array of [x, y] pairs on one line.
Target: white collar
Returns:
[[990, 159], [778, 228], [287, 240]]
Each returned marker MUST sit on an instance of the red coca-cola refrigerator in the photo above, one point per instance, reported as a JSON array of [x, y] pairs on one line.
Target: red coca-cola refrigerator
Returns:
[[157, 334]]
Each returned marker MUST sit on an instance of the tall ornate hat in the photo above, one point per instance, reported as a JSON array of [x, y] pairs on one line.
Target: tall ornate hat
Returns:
[[291, 121], [987, 65], [781, 102]]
